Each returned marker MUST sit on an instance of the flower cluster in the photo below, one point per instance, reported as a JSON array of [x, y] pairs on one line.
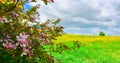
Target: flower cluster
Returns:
[[24, 44], [43, 38], [20, 35], [3, 19], [23, 39], [8, 44], [27, 51]]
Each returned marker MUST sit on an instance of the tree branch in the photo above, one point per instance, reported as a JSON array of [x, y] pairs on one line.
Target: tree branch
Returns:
[[12, 7]]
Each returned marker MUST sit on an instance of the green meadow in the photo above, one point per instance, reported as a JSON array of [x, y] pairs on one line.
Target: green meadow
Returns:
[[94, 49]]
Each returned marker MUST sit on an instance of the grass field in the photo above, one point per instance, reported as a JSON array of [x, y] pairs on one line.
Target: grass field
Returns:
[[96, 49]]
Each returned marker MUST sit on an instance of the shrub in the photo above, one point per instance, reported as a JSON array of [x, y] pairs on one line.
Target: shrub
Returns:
[[21, 42]]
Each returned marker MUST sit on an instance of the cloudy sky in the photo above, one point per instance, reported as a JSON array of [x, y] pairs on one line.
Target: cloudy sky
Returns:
[[84, 16]]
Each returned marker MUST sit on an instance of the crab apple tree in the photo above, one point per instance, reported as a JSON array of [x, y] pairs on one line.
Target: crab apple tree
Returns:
[[21, 42]]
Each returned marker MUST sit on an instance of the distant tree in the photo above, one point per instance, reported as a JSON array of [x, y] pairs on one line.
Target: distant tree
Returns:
[[101, 33]]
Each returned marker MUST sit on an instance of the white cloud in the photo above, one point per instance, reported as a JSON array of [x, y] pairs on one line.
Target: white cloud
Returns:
[[89, 16]]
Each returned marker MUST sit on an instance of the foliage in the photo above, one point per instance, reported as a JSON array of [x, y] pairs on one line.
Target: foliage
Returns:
[[101, 33], [19, 40]]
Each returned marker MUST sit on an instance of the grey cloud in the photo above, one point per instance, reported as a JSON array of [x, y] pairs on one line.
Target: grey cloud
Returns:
[[85, 15]]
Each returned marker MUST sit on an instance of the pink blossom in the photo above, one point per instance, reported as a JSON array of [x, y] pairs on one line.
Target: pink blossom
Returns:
[[3, 19], [24, 44], [1, 40], [12, 46], [26, 51], [5, 45], [15, 15], [23, 53], [9, 45], [22, 38]]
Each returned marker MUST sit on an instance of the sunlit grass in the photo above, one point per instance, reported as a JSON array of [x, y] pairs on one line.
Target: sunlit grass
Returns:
[[97, 49]]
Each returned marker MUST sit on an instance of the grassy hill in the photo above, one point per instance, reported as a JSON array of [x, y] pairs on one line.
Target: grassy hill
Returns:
[[96, 49]]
